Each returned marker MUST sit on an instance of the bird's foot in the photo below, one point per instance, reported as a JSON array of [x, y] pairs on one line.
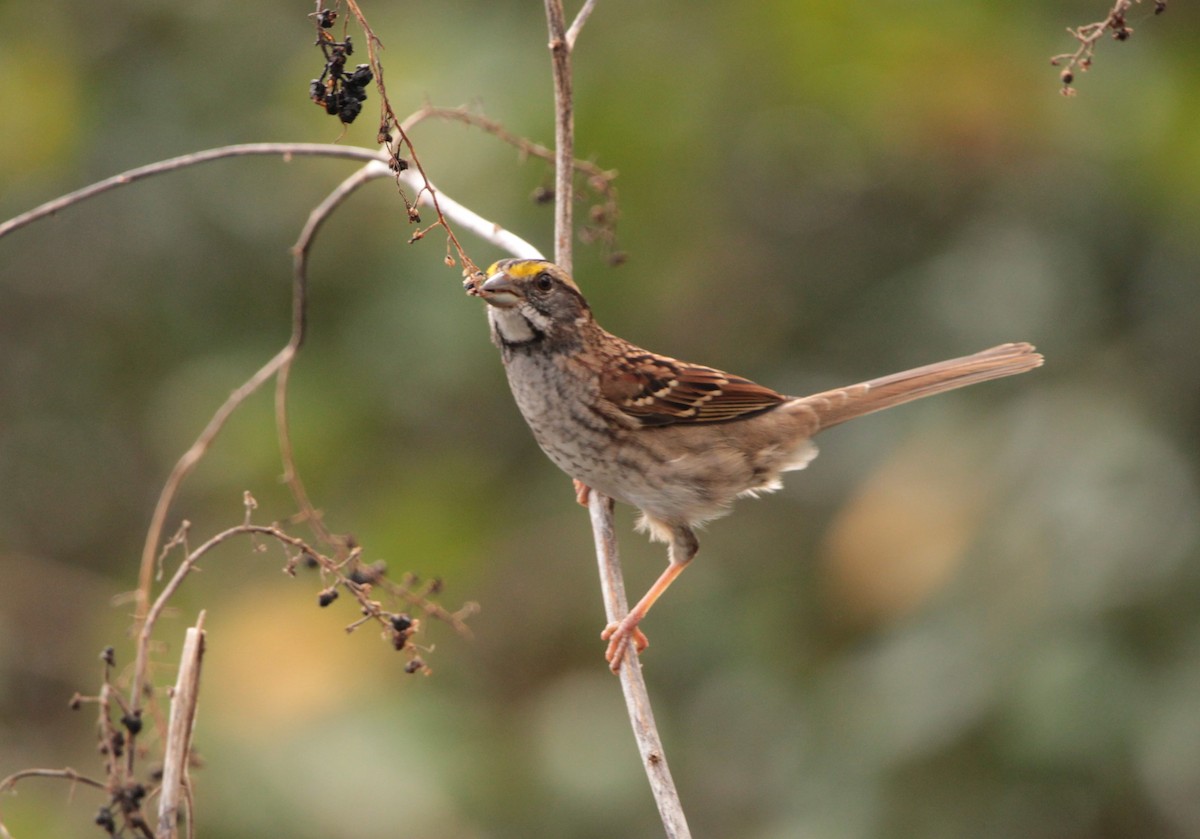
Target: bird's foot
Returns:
[[582, 492], [617, 633]]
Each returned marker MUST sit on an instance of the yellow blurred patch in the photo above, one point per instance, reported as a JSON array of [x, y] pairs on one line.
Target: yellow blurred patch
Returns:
[[41, 106], [275, 660], [902, 538]]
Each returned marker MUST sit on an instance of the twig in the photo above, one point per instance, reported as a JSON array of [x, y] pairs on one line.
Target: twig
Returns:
[[564, 135], [1089, 34], [486, 230], [286, 150], [637, 698], [138, 689], [577, 24], [68, 773], [426, 193], [179, 732]]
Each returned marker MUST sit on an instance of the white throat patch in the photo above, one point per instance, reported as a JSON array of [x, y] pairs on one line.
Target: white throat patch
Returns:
[[511, 325]]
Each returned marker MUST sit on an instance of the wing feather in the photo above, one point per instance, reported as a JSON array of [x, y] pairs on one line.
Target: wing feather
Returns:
[[657, 390]]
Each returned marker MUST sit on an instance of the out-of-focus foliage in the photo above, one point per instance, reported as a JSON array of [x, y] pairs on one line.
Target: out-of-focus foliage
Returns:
[[976, 616]]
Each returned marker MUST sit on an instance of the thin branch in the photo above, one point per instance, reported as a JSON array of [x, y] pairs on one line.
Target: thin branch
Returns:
[[577, 24], [564, 135], [376, 168], [68, 773], [426, 193], [486, 230], [286, 150], [138, 685], [637, 698]]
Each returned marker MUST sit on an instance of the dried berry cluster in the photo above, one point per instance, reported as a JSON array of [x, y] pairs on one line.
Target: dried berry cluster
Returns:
[[127, 802], [398, 627], [122, 815], [340, 93], [1089, 35]]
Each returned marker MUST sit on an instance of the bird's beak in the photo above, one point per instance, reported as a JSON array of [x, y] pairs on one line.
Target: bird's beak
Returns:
[[498, 290]]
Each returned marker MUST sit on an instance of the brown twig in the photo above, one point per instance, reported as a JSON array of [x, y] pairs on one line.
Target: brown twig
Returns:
[[485, 229], [633, 685], [67, 773], [564, 135], [139, 684], [576, 25], [285, 150], [637, 698]]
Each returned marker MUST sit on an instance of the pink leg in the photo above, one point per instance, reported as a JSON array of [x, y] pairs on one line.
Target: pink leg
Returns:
[[683, 547]]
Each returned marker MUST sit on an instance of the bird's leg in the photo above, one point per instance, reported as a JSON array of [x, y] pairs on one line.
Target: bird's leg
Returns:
[[582, 492], [680, 552]]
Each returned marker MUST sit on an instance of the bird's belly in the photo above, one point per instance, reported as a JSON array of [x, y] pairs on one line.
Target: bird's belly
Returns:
[[680, 474]]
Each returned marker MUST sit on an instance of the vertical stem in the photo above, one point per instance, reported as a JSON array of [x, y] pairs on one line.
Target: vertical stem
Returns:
[[637, 698], [179, 731], [564, 134]]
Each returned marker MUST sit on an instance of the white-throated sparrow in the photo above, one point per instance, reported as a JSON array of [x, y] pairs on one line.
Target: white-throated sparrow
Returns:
[[678, 441]]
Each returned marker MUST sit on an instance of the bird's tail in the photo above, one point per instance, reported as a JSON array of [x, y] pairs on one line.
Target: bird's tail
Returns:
[[836, 406]]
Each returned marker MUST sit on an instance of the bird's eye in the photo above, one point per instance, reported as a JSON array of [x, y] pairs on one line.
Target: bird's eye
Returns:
[[543, 282]]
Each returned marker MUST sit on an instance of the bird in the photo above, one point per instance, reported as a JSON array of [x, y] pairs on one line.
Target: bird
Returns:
[[676, 440]]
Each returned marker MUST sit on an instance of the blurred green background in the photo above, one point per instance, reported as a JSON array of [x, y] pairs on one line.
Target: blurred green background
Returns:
[[974, 616]]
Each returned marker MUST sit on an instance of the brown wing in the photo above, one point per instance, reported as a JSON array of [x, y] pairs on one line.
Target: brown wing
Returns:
[[657, 390]]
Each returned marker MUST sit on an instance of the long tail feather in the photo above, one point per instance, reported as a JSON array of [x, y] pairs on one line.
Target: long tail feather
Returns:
[[836, 406]]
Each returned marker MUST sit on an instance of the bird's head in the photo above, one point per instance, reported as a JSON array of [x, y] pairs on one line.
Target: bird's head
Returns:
[[530, 300]]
